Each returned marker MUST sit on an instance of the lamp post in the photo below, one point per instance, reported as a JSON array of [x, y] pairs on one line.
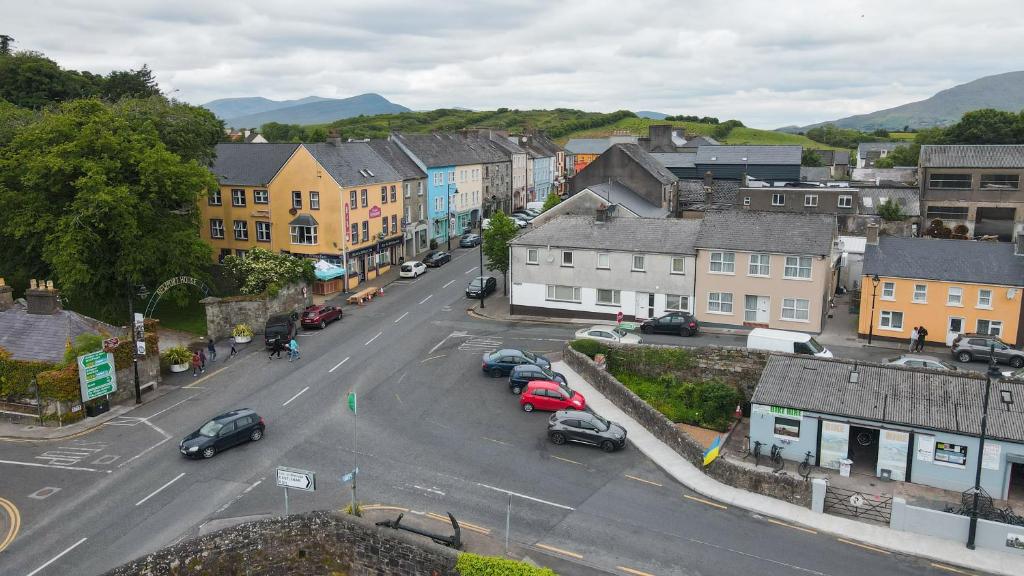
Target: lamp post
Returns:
[[483, 280], [874, 290], [993, 372], [142, 293], [451, 218]]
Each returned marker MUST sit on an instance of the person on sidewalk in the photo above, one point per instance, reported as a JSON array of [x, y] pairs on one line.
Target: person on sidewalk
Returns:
[[197, 364], [202, 360], [913, 339], [922, 332], [293, 350], [212, 349], [276, 348], [233, 352]]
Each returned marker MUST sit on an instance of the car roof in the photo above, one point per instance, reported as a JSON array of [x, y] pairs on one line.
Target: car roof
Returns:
[[510, 351], [546, 384], [525, 367], [279, 318], [234, 414], [607, 327], [920, 357], [574, 414]]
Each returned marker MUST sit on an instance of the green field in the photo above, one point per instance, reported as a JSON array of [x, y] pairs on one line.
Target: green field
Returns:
[[638, 127], [908, 136]]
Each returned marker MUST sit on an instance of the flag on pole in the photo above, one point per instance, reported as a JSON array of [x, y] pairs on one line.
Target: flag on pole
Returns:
[[352, 402], [712, 452]]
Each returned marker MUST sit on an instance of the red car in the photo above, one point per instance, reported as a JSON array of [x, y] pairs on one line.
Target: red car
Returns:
[[320, 315], [550, 396]]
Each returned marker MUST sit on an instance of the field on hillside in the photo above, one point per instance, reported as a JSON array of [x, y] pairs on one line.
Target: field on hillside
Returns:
[[907, 136], [638, 126]]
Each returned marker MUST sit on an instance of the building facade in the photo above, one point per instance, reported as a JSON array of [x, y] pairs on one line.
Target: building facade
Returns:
[[766, 163], [415, 223], [634, 168]]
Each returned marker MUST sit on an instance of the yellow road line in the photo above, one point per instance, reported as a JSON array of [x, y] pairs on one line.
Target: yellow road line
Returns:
[[864, 546], [634, 572], [703, 501], [560, 551], [776, 522], [567, 460], [383, 507], [951, 569], [644, 481], [15, 522], [467, 525]]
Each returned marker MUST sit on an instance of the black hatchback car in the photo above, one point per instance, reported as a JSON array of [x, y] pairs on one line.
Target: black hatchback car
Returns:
[[223, 432], [470, 240], [501, 362], [481, 285], [680, 323], [525, 373], [586, 428], [435, 259]]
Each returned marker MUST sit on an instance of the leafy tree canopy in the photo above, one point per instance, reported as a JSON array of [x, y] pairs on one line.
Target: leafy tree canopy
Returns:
[[810, 158], [551, 201], [264, 271], [496, 238], [31, 80]]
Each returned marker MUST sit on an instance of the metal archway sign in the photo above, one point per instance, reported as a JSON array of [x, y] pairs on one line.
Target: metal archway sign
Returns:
[[176, 281]]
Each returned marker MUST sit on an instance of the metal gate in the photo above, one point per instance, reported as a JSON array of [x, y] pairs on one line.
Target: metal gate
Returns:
[[860, 505]]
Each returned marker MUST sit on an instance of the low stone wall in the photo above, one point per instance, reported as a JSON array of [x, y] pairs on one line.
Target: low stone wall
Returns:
[[993, 535], [310, 544], [223, 314], [782, 487]]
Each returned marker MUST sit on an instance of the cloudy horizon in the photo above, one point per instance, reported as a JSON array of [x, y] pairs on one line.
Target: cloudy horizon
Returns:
[[767, 64]]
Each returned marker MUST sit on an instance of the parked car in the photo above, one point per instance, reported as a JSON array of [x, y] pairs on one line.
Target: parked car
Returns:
[[586, 428], [785, 341], [547, 395], [484, 284], [523, 215], [968, 347], [412, 269], [281, 327], [520, 223], [501, 362], [609, 333], [919, 361], [223, 432], [437, 258], [485, 223], [680, 323], [470, 240], [320, 315], [525, 373]]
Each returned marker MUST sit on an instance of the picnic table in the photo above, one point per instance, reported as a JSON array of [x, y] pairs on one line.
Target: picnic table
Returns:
[[362, 296]]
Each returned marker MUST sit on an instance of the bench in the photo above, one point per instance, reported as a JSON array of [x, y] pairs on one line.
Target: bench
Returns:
[[362, 296]]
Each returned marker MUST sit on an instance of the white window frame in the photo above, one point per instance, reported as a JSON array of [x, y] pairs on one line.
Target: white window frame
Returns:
[[552, 293], [885, 320], [891, 288], [717, 303], [607, 261], [845, 201], [216, 198], [681, 269], [533, 256], [920, 296], [297, 199], [563, 262], [726, 265], [217, 228], [796, 307], [798, 265], [810, 200], [260, 196], [241, 226], [314, 200], [419, 188], [262, 231], [235, 198], [310, 233], [643, 263], [955, 296], [981, 300], [407, 188], [438, 207], [615, 300], [680, 298], [778, 199], [763, 269], [997, 324], [438, 178]]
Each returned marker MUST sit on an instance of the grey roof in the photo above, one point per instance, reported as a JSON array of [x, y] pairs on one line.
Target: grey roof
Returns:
[[303, 220], [617, 193], [250, 164], [864, 147], [815, 173], [675, 159], [941, 401], [973, 156], [779, 232], [588, 145], [448, 149], [399, 160], [505, 146], [755, 155], [653, 235], [909, 199], [648, 162], [945, 260], [44, 337], [722, 193], [697, 141], [353, 163], [539, 146]]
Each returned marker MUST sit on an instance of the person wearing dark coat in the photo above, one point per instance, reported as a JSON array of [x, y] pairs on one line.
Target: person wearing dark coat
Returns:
[[921, 333]]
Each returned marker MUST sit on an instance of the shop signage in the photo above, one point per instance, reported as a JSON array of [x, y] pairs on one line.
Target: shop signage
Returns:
[[948, 454], [375, 212], [786, 411]]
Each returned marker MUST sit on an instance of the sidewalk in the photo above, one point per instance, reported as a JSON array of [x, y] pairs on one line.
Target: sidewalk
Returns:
[[497, 309], [935, 549]]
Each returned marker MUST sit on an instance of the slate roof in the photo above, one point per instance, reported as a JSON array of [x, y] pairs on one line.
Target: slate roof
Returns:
[[973, 156], [539, 146], [588, 145], [397, 159], [675, 159], [648, 162], [697, 141], [864, 147], [617, 193], [439, 149], [779, 232], [909, 200], [945, 260], [353, 163], [505, 146], [948, 402], [44, 337], [755, 155], [722, 193], [651, 235], [250, 164]]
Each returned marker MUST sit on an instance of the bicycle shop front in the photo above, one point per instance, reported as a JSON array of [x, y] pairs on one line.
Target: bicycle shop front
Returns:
[[890, 422]]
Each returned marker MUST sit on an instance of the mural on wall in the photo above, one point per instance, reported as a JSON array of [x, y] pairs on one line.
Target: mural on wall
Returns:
[[835, 438], [892, 454]]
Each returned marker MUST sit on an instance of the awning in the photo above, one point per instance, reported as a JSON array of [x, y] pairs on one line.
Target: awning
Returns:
[[327, 271], [303, 220]]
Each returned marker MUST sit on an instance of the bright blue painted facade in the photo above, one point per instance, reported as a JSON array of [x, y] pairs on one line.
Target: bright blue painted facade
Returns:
[[542, 177], [440, 182]]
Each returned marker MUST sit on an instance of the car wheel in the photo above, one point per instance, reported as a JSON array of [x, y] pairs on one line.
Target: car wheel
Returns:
[[527, 407], [1017, 361], [557, 438], [645, 329], [323, 324], [608, 446], [517, 390], [209, 451], [963, 356], [495, 372], [256, 435]]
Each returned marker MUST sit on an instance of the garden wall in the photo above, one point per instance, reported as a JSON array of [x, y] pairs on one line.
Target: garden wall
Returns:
[[223, 314]]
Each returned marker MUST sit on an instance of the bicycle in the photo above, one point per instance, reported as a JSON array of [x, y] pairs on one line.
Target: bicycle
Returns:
[[804, 469], [757, 453], [776, 458]]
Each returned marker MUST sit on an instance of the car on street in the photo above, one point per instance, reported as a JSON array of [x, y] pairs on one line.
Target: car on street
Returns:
[[525, 373], [470, 240], [920, 361], [281, 327], [969, 347], [523, 215], [608, 333], [320, 316], [412, 269], [681, 323], [223, 432], [501, 362], [520, 223], [550, 396], [437, 258], [586, 428], [481, 285]]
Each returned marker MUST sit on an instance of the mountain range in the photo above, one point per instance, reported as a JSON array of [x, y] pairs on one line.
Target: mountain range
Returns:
[[651, 115], [999, 91], [254, 112]]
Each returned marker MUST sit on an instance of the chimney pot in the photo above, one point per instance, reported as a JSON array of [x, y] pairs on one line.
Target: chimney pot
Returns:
[[709, 179], [41, 300], [872, 235]]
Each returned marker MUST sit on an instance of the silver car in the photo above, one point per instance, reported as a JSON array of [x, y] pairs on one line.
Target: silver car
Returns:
[[918, 361], [608, 333], [968, 347]]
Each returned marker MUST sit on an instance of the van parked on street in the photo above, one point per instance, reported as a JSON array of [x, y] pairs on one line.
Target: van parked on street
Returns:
[[785, 341]]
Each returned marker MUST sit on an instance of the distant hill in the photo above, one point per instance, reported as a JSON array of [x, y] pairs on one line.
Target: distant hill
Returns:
[[651, 115], [255, 112], [1000, 91]]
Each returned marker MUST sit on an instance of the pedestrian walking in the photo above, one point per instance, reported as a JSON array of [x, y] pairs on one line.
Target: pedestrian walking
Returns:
[[276, 348], [922, 332], [913, 339], [233, 352], [211, 347], [202, 360], [293, 350], [197, 364]]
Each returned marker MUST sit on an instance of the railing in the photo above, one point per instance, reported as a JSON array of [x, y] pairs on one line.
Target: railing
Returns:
[[18, 410], [860, 505]]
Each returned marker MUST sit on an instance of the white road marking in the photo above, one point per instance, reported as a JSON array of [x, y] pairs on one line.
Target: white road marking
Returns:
[[372, 339], [169, 407], [44, 492], [400, 317], [57, 557], [556, 505], [425, 360], [427, 298], [236, 498], [338, 365], [154, 427], [471, 269], [157, 491], [38, 465], [479, 344], [448, 284], [432, 490], [299, 393]]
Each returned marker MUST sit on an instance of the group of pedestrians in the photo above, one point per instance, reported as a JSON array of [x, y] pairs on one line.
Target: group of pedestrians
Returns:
[[279, 346], [199, 357], [917, 336]]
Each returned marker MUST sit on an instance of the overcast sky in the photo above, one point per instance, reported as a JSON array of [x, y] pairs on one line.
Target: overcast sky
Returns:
[[767, 63]]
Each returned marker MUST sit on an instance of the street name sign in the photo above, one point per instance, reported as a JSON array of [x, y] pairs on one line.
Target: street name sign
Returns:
[[346, 478], [295, 478], [96, 375]]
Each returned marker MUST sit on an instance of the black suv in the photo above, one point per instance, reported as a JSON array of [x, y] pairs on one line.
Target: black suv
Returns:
[[435, 259], [969, 347], [587, 428], [672, 323], [282, 328], [525, 373], [223, 432]]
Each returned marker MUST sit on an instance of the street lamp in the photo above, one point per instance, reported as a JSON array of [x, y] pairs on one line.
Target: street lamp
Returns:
[[874, 290], [483, 280], [993, 372], [448, 225], [142, 292]]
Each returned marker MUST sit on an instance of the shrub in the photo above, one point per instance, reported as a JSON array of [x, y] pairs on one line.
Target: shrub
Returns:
[[16, 375], [60, 384], [708, 404], [589, 347], [476, 565], [177, 355], [264, 271], [84, 344], [890, 211], [242, 331]]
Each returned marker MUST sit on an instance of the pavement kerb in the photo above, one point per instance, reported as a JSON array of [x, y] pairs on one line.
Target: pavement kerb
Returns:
[[919, 545], [71, 430]]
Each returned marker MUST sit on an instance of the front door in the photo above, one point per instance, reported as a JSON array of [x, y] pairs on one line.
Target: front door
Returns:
[[644, 305], [756, 309], [955, 326]]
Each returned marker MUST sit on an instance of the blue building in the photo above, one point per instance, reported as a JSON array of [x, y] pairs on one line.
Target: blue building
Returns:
[[547, 172]]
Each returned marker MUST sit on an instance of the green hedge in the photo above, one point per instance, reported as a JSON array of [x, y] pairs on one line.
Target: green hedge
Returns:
[[708, 404], [589, 347], [475, 565], [16, 375]]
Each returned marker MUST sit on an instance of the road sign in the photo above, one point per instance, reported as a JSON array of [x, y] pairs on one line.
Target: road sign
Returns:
[[140, 348], [110, 343], [96, 375], [295, 478], [346, 478], [629, 325]]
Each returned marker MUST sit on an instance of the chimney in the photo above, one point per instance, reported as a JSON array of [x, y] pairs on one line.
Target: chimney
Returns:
[[872, 234], [709, 179], [42, 298], [601, 213], [660, 137], [333, 138], [6, 296]]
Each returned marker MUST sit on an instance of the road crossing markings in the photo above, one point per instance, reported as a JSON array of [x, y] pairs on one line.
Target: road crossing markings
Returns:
[[38, 465], [57, 557], [480, 344], [13, 522], [400, 317], [448, 284], [633, 571], [939, 566], [560, 551], [427, 298], [651, 482], [368, 342], [157, 491], [801, 528], [338, 365], [462, 523], [703, 501], [864, 546], [297, 394]]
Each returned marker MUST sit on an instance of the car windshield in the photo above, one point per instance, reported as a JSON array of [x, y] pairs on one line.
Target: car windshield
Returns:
[[210, 429], [601, 423], [814, 346], [530, 356], [476, 282], [620, 332]]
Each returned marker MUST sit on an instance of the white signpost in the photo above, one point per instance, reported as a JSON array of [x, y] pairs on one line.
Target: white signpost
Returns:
[[295, 478]]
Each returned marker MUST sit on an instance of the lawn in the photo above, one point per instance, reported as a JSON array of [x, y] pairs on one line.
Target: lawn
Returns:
[[907, 136], [188, 318]]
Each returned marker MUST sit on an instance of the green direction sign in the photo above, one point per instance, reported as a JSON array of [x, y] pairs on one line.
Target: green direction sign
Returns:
[[96, 375]]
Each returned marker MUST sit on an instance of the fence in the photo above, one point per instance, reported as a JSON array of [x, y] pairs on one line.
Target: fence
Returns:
[[992, 535], [858, 505]]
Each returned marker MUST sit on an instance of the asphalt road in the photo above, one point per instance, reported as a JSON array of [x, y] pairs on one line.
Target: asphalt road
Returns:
[[433, 435]]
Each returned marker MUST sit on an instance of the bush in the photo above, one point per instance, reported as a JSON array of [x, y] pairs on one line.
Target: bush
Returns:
[[476, 565], [16, 375], [707, 404], [177, 355], [84, 344], [264, 271], [242, 331], [890, 211], [589, 347], [61, 384]]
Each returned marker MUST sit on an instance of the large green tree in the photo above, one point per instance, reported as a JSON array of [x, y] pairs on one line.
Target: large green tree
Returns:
[[987, 126], [130, 84], [496, 238], [31, 80]]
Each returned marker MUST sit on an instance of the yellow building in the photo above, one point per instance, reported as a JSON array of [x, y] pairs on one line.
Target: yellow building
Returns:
[[948, 286]]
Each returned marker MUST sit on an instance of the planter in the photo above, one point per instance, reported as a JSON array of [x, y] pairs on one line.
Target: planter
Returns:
[[243, 339], [179, 367]]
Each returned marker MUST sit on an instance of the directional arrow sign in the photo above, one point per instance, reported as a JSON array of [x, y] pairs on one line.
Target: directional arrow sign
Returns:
[[294, 478], [346, 478]]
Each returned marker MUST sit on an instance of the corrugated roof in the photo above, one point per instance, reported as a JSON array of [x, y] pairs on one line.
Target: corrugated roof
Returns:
[[398, 159], [973, 156], [909, 200], [250, 164], [755, 155], [617, 193], [651, 235], [945, 260], [942, 401], [778, 232], [353, 163]]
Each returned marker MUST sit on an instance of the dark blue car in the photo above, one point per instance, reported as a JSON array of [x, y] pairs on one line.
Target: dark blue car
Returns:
[[525, 373], [501, 363]]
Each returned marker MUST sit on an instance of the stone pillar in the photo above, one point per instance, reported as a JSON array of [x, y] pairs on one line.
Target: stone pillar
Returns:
[[818, 487], [6, 296], [898, 516]]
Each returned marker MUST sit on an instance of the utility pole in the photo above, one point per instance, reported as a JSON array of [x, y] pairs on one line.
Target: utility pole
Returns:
[[993, 372], [135, 340]]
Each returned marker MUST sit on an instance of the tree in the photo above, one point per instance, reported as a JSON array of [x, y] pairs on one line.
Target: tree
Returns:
[[881, 133], [496, 238], [551, 201], [884, 162], [191, 132], [904, 155], [130, 84], [31, 80], [810, 158], [987, 126], [264, 271], [890, 210]]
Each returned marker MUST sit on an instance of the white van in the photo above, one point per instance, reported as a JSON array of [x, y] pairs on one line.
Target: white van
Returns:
[[538, 206], [784, 341]]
